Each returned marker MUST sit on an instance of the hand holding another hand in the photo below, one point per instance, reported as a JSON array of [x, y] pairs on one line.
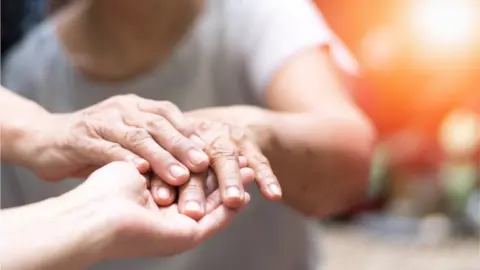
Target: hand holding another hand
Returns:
[[111, 215], [157, 137], [153, 135], [232, 153], [136, 226]]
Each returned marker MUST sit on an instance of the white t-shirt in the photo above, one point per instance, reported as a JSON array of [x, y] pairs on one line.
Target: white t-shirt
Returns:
[[227, 58]]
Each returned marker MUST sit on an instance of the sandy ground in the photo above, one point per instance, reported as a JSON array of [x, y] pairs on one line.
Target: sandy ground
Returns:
[[348, 249]]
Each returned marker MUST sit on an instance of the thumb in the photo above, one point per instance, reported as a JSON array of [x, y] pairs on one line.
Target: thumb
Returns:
[[105, 152], [116, 171]]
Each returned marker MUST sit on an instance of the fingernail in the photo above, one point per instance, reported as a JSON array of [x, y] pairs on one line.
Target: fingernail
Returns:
[[275, 189], [197, 157], [193, 206], [233, 192], [163, 193], [177, 171]]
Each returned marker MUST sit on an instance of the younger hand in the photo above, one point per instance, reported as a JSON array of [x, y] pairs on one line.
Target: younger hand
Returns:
[[136, 226]]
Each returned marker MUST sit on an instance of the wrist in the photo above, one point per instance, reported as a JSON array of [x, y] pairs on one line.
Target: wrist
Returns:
[[63, 230], [81, 230], [261, 123], [19, 137]]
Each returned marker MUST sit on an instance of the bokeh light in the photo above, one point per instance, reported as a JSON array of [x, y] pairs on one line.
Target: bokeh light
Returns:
[[444, 22]]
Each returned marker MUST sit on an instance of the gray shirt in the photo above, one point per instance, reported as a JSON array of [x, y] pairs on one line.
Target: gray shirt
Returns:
[[227, 58]]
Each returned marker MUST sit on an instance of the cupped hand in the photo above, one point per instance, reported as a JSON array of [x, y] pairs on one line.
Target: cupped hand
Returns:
[[154, 135], [136, 226]]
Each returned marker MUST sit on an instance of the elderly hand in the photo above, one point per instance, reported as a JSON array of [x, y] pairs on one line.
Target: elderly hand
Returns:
[[151, 134], [230, 149]]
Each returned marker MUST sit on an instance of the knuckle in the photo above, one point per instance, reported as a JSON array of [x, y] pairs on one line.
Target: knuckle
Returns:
[[232, 180], [203, 125], [137, 136], [261, 165], [130, 96], [178, 141], [194, 190], [157, 183], [158, 124], [210, 201], [186, 128], [121, 100], [219, 150], [86, 146], [238, 134], [116, 101], [167, 106], [261, 160], [113, 148], [127, 98], [86, 126]]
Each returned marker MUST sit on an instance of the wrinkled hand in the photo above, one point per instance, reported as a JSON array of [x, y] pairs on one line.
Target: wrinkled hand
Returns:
[[224, 144], [230, 149], [193, 196], [137, 227], [151, 134]]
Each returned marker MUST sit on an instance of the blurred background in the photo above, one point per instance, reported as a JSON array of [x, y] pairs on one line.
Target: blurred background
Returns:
[[419, 63], [419, 82]]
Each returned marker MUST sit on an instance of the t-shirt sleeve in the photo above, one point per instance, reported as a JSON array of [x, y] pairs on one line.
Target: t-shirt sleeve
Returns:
[[277, 30]]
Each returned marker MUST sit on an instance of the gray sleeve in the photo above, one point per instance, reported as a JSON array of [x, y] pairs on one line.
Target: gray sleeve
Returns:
[[273, 32], [23, 63]]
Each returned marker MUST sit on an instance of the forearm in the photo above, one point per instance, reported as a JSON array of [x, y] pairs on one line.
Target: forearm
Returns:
[[16, 115], [52, 234], [333, 149]]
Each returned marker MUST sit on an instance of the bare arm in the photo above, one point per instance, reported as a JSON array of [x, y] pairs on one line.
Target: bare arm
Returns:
[[319, 144], [52, 234], [15, 112]]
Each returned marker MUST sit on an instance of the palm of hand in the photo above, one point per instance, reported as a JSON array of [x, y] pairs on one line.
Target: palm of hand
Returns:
[[150, 230], [142, 228]]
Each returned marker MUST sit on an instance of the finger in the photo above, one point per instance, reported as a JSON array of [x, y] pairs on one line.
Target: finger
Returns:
[[266, 179], [191, 200], [163, 194], [242, 161], [211, 183], [171, 112], [197, 141], [217, 220], [139, 141], [224, 159], [181, 147], [215, 199], [106, 152]]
